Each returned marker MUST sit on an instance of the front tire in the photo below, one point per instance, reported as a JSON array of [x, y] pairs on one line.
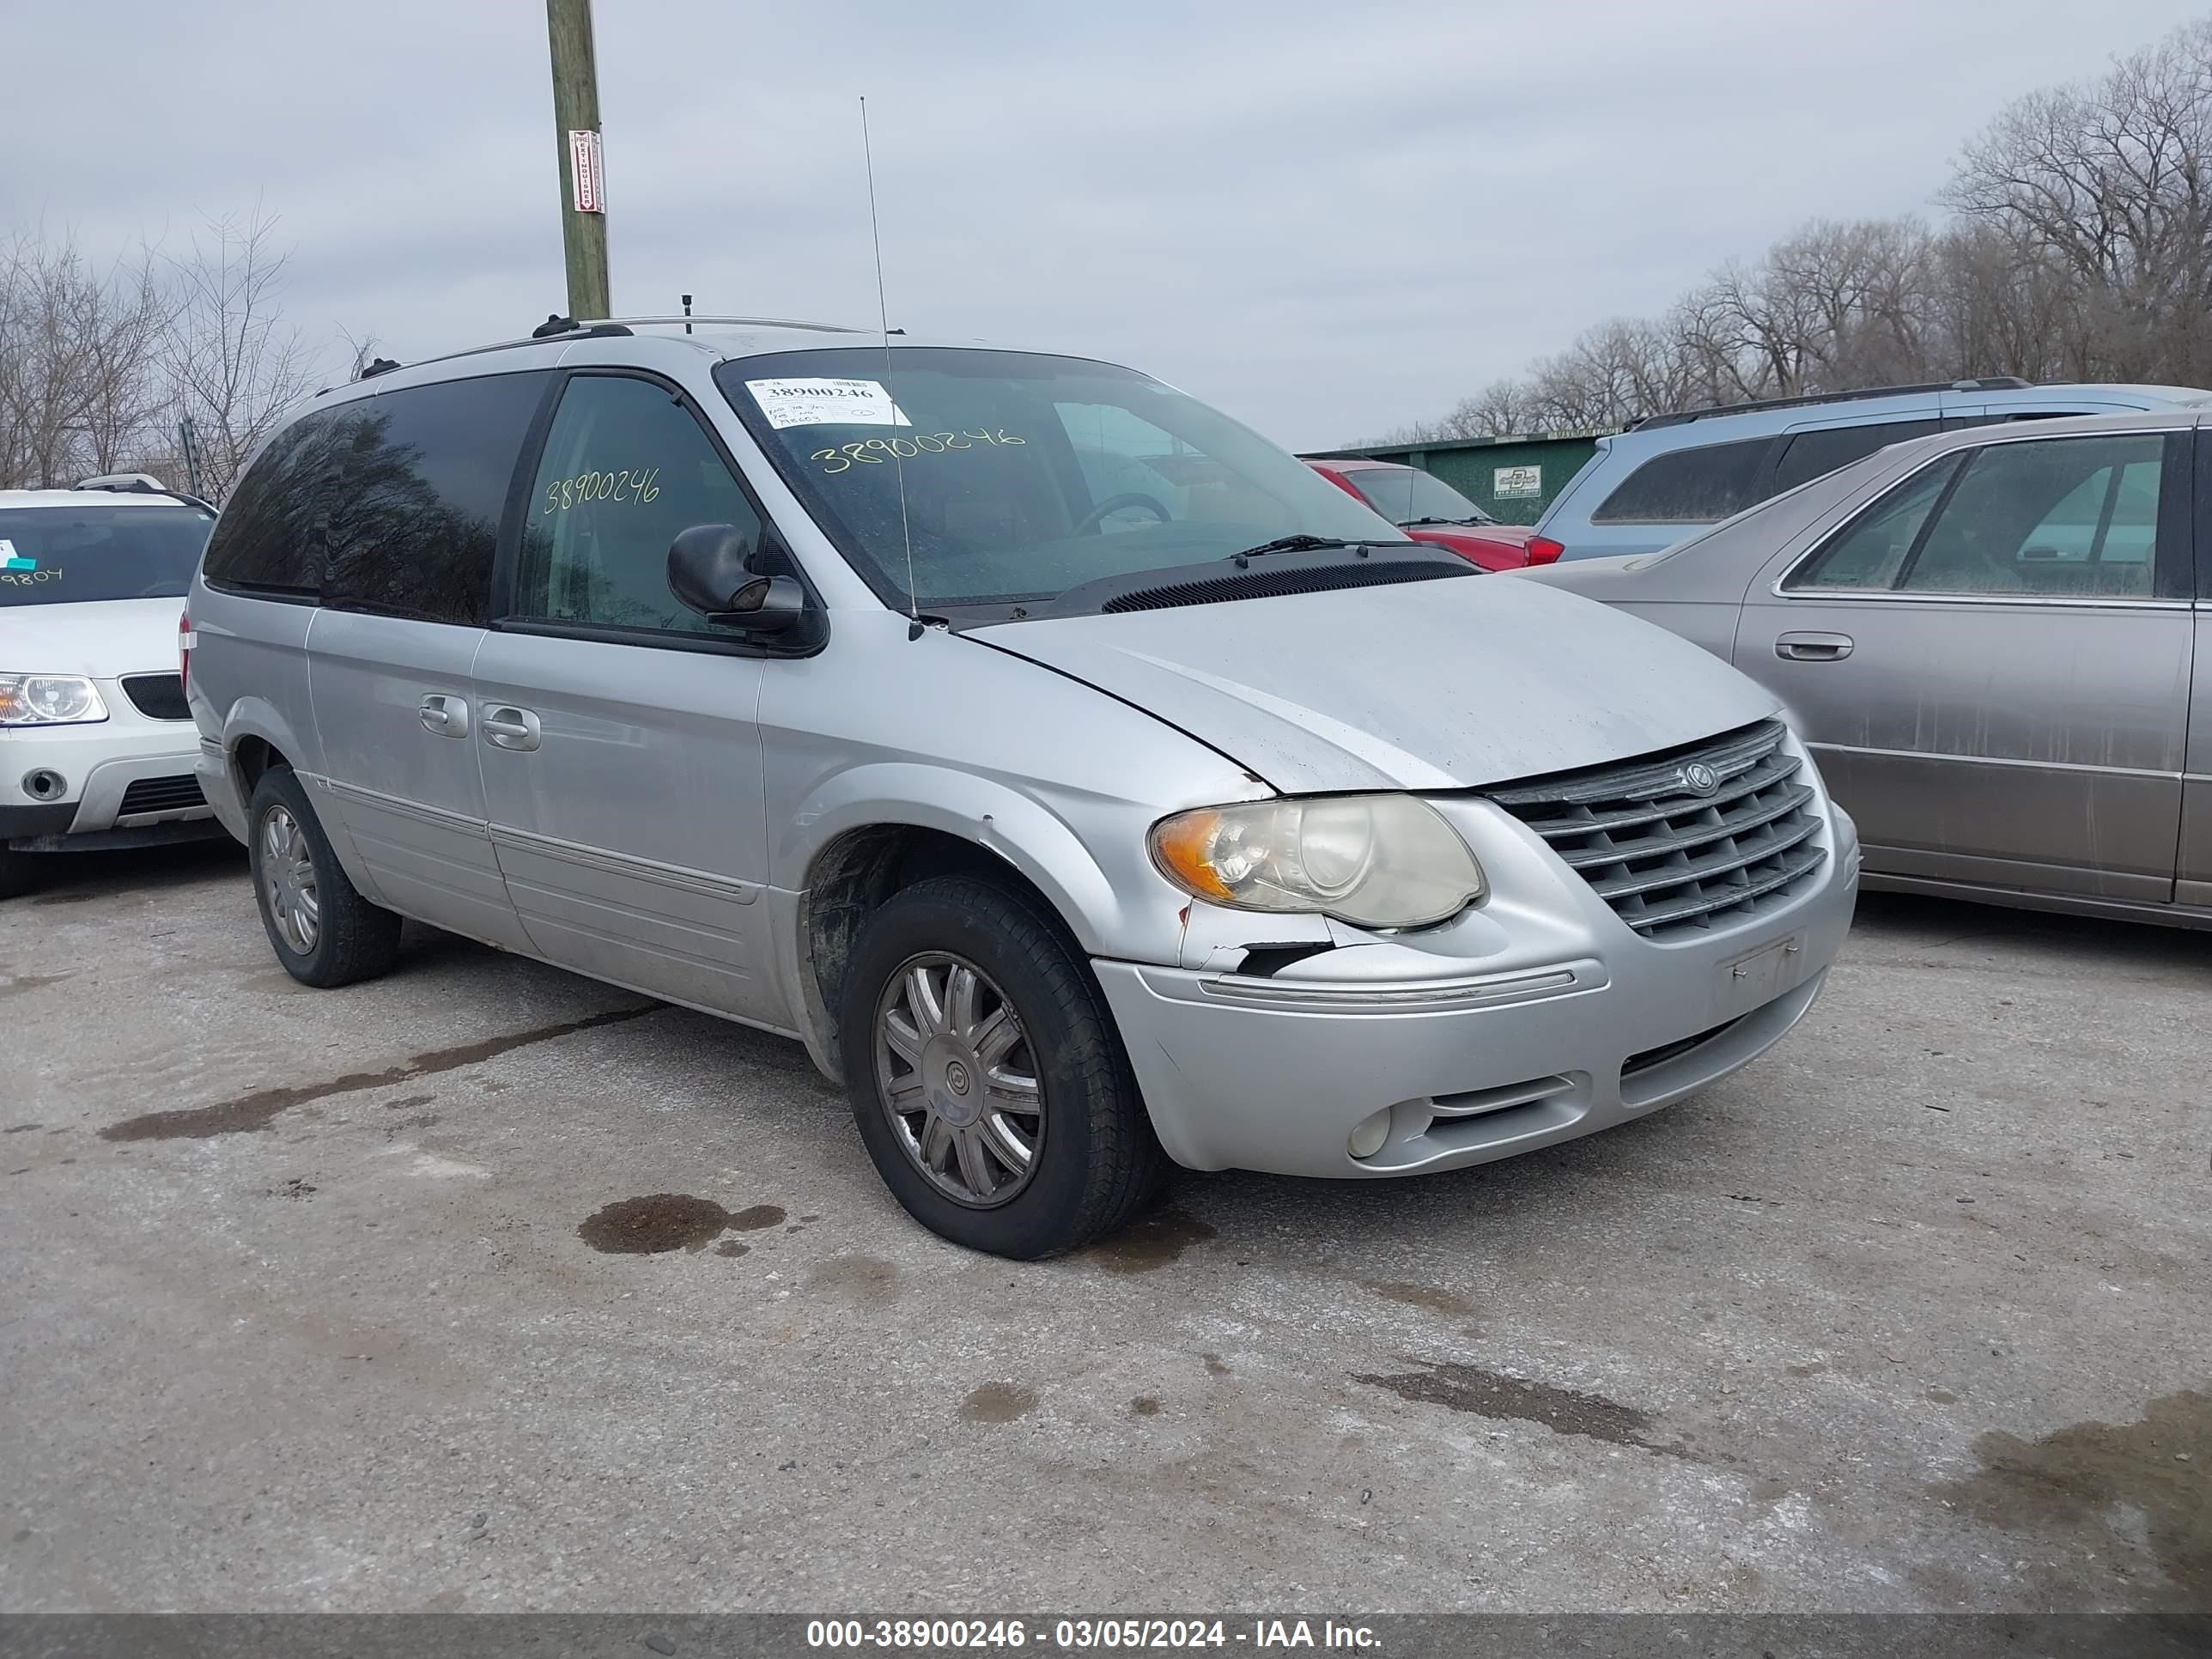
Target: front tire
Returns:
[[324, 932], [986, 1074]]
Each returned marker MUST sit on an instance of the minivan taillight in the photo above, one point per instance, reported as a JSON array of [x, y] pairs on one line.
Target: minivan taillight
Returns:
[[1542, 549], [186, 641]]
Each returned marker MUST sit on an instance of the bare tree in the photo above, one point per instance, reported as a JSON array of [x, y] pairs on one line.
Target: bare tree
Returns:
[[361, 352], [2079, 248], [77, 391], [2110, 183], [234, 366]]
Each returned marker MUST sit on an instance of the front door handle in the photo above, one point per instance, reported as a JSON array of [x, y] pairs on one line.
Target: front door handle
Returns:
[[510, 727], [447, 716], [1813, 648]]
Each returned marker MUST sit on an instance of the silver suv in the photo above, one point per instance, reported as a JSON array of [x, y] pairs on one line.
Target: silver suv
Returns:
[[1086, 782]]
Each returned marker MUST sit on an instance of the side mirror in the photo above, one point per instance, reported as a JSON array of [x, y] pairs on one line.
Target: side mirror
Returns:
[[708, 571]]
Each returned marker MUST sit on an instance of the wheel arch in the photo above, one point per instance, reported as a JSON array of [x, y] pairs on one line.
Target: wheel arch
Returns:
[[887, 833]]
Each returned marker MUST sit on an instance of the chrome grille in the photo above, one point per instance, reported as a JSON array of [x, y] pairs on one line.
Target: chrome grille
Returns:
[[1672, 860]]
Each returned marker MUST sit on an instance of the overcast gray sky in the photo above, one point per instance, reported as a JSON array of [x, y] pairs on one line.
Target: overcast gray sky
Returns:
[[1329, 219]]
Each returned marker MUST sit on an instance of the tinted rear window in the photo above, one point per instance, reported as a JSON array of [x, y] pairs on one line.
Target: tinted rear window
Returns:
[[391, 503], [423, 476], [1690, 486], [1807, 455], [270, 538], [63, 555]]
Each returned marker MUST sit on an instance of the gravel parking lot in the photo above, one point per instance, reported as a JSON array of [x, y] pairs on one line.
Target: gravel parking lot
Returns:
[[332, 1300]]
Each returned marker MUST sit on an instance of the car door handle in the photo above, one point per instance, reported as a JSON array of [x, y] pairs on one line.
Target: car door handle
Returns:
[[1813, 648], [447, 716], [511, 728]]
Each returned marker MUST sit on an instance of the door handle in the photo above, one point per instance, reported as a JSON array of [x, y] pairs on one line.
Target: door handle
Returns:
[[1813, 648], [511, 728], [447, 716]]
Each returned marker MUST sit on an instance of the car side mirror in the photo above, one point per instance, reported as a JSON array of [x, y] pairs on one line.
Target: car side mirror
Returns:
[[709, 571]]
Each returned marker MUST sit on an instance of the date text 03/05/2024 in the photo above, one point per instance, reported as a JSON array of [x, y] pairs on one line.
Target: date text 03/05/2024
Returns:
[[1081, 1634]]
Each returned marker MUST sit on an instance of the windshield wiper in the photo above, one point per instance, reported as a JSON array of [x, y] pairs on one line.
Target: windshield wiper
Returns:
[[1416, 524], [1300, 542]]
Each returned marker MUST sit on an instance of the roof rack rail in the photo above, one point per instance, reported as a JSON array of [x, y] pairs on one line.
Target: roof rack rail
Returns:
[[731, 322], [129, 484], [139, 483], [1683, 418], [558, 327]]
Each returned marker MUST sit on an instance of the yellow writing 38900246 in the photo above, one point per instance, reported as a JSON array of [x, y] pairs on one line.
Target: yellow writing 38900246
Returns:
[[630, 485], [874, 452]]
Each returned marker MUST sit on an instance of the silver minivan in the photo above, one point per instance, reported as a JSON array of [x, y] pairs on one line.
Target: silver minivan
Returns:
[[1086, 782]]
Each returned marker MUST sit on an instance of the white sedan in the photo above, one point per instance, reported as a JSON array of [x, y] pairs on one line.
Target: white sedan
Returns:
[[96, 745]]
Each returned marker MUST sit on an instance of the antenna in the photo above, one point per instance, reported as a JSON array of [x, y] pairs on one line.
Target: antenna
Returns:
[[890, 391]]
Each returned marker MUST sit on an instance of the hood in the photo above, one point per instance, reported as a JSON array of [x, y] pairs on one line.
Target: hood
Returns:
[[1425, 686], [101, 639]]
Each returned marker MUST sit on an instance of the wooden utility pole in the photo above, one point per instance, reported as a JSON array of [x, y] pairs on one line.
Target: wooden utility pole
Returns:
[[583, 179]]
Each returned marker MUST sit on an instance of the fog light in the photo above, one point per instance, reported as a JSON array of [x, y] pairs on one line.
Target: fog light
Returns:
[[1367, 1139]]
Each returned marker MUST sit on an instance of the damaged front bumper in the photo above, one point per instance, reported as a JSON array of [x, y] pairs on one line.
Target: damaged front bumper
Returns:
[[1537, 1015]]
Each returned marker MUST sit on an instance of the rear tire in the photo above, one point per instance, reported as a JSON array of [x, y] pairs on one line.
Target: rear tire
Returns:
[[324, 932], [1046, 1073]]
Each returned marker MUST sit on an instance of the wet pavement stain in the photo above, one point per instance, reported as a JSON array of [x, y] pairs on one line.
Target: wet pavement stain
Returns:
[[862, 1281], [653, 1224], [19, 983], [1151, 1243], [65, 898], [998, 1402], [250, 1114], [1422, 1295], [1491, 1394], [731, 1247], [406, 1102], [1144, 1405], [21, 1128], [1215, 1366], [753, 1217], [2160, 1467]]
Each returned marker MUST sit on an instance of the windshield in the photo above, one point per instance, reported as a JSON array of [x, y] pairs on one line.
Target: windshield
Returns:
[[65, 554], [1023, 476], [1406, 494]]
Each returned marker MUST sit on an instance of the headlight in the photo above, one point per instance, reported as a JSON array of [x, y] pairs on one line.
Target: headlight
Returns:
[[49, 700], [1378, 861]]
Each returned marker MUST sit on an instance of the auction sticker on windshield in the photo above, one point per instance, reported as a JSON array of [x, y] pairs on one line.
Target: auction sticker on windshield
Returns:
[[826, 403]]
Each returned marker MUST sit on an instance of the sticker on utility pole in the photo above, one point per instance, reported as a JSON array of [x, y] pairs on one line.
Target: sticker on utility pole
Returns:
[[1507, 481], [587, 171], [826, 403]]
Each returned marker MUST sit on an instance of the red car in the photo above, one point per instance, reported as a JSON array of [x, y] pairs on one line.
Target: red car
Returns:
[[1428, 510]]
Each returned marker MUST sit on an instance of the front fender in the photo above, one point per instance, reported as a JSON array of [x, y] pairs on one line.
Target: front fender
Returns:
[[1101, 883], [1127, 910]]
